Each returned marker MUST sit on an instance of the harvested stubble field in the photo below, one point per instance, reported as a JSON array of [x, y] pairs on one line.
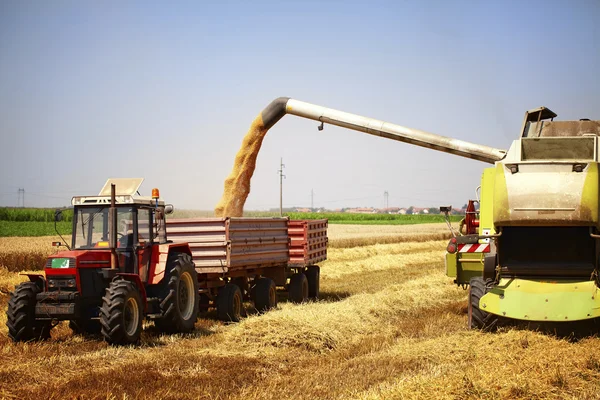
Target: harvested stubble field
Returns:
[[391, 325]]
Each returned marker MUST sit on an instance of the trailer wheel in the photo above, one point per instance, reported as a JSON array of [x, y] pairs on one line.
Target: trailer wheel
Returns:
[[230, 305], [85, 326], [298, 288], [479, 319], [20, 315], [181, 303], [121, 313], [265, 294], [313, 274]]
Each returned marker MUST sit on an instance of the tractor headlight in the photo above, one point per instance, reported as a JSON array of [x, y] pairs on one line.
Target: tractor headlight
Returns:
[[62, 283]]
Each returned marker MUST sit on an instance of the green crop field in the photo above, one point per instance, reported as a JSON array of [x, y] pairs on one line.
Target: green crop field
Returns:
[[40, 221]]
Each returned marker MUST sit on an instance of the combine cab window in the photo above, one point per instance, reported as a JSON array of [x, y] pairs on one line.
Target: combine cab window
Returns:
[[558, 148]]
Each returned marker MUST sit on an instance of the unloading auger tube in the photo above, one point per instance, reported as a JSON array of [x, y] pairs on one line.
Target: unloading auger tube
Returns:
[[285, 105]]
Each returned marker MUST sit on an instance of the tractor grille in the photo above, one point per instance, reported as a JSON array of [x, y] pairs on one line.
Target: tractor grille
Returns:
[[547, 251]]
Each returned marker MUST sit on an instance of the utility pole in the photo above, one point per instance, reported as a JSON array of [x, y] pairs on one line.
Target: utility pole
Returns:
[[281, 176], [386, 198], [21, 198], [312, 200]]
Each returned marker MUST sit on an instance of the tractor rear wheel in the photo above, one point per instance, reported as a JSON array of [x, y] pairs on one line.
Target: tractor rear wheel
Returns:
[[121, 313], [265, 294], [313, 274], [479, 319], [20, 315], [298, 288], [229, 303], [181, 304]]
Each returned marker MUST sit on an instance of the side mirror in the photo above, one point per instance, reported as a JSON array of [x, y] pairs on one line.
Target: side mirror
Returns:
[[169, 209], [58, 216]]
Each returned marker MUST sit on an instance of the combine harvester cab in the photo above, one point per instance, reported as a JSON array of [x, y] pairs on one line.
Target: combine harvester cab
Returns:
[[118, 271], [242, 259], [533, 253]]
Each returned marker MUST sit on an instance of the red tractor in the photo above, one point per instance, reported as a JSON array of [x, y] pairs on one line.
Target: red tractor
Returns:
[[119, 270]]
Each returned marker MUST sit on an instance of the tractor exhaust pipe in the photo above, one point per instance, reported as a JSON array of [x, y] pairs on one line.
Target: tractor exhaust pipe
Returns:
[[285, 105], [112, 228]]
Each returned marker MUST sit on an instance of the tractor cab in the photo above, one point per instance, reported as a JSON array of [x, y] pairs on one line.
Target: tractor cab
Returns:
[[140, 224]]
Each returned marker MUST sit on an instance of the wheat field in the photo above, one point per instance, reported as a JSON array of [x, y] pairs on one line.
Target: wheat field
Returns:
[[390, 325]]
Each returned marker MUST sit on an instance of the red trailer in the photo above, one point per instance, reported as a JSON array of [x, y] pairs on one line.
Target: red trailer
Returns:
[[241, 259]]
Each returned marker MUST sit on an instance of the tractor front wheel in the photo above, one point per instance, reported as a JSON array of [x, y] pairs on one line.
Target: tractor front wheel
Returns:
[[479, 319], [20, 315], [180, 305], [121, 314]]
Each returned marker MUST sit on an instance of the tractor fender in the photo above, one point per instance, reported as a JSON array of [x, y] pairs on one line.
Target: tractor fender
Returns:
[[135, 278], [159, 264], [38, 279]]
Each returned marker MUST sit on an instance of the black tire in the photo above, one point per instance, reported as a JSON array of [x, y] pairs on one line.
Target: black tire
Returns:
[[479, 319], [298, 288], [20, 315], [85, 326], [265, 294], [121, 313], [181, 303], [230, 305], [313, 274]]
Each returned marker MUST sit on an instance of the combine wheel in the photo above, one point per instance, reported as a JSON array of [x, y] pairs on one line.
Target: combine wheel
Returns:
[[85, 326], [298, 288], [265, 294], [182, 301], [20, 315], [479, 319], [229, 303], [121, 313], [313, 274]]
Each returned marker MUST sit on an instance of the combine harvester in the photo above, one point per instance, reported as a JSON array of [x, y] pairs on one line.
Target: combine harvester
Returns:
[[126, 263], [532, 251]]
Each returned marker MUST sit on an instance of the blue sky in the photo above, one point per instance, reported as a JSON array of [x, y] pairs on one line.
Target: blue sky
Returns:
[[91, 90]]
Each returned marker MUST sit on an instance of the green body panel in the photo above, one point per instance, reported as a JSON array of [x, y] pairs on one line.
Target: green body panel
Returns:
[[591, 192], [537, 300], [464, 266], [486, 204]]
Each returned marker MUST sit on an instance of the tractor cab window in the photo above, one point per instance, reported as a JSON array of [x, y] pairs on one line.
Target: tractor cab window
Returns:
[[144, 231], [91, 227]]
